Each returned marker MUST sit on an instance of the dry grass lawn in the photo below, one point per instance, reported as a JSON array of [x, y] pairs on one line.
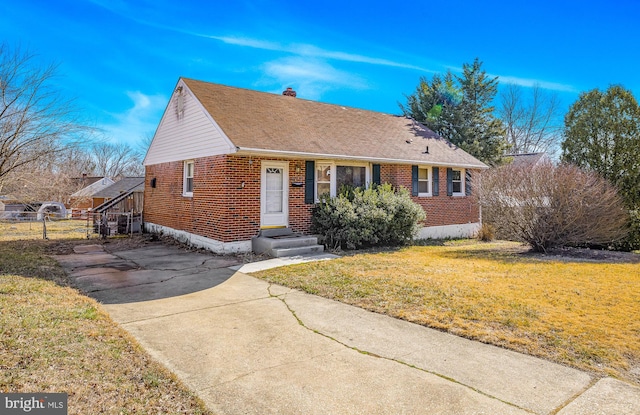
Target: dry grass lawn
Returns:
[[575, 311], [56, 229], [52, 339]]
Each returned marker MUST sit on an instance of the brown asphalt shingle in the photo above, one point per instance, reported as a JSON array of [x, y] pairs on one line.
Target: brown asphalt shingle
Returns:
[[124, 185], [262, 121]]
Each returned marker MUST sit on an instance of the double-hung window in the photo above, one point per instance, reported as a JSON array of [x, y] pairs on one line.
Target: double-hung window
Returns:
[[323, 180], [187, 181], [457, 184], [424, 184]]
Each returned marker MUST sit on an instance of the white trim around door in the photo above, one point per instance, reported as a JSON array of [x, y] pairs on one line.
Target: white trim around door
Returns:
[[274, 194]]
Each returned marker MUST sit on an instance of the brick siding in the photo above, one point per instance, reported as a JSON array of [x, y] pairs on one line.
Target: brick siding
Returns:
[[442, 209], [223, 210]]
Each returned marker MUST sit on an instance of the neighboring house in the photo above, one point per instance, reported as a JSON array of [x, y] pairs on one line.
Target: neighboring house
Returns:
[[227, 162], [124, 196], [529, 162], [85, 198], [85, 180], [528, 159]]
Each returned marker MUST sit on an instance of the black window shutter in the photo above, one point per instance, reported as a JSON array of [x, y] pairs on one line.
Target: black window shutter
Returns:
[[449, 181], [414, 180], [436, 181], [309, 182], [376, 174], [467, 182]]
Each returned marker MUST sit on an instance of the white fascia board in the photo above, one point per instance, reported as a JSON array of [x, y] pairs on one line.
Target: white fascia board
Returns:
[[300, 154]]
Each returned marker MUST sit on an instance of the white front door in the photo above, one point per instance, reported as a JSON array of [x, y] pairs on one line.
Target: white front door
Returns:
[[274, 194]]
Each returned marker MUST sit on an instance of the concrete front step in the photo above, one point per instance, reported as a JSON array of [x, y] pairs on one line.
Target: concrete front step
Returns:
[[274, 232], [284, 242], [293, 241], [300, 250]]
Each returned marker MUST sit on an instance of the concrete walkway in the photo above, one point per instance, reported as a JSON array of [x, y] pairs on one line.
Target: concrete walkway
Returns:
[[250, 347]]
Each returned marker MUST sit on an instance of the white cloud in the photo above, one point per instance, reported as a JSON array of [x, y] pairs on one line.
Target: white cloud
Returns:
[[529, 83], [307, 50], [525, 82], [137, 122], [310, 77], [311, 51]]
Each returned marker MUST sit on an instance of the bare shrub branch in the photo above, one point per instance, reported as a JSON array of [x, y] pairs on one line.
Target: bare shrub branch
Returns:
[[549, 206]]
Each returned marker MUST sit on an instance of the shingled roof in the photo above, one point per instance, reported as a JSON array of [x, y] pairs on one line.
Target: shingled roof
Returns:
[[93, 188], [527, 159], [125, 185], [258, 122]]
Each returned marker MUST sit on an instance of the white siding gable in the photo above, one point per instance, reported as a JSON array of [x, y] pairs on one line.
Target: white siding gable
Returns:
[[186, 131]]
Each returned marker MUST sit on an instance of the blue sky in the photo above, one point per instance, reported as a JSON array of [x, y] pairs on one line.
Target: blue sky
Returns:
[[121, 59]]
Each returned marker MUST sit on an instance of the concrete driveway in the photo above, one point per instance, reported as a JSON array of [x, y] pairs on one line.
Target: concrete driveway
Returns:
[[250, 347]]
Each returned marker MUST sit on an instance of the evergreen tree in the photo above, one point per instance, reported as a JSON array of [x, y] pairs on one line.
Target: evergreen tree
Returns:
[[602, 133], [459, 109]]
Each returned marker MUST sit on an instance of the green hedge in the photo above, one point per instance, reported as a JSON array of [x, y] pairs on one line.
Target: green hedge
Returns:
[[377, 216]]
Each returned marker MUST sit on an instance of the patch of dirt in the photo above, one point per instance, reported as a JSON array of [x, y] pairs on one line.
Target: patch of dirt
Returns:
[[62, 247], [127, 243], [586, 254]]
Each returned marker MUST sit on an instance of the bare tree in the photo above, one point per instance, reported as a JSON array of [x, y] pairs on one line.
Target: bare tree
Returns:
[[548, 206], [36, 121], [52, 178], [116, 160], [143, 145], [533, 123]]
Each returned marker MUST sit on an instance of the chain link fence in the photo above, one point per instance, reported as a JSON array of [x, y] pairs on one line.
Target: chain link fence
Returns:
[[34, 225]]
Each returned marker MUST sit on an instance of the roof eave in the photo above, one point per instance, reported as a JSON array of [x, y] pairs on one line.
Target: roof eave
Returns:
[[300, 154]]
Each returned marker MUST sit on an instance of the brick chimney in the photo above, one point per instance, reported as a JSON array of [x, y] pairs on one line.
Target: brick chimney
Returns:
[[289, 92]]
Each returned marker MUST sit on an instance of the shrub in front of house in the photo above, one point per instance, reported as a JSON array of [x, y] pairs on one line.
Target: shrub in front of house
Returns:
[[486, 233], [377, 216], [549, 206]]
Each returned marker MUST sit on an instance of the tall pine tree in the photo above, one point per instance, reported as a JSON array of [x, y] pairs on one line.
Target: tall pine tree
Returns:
[[459, 109]]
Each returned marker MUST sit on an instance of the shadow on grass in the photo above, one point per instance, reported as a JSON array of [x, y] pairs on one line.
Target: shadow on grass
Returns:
[[524, 254], [390, 249]]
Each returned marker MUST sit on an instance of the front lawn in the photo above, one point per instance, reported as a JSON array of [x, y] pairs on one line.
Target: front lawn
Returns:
[[53, 339], [576, 311]]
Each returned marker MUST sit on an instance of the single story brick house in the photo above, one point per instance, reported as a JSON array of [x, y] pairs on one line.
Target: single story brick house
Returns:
[[226, 162]]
